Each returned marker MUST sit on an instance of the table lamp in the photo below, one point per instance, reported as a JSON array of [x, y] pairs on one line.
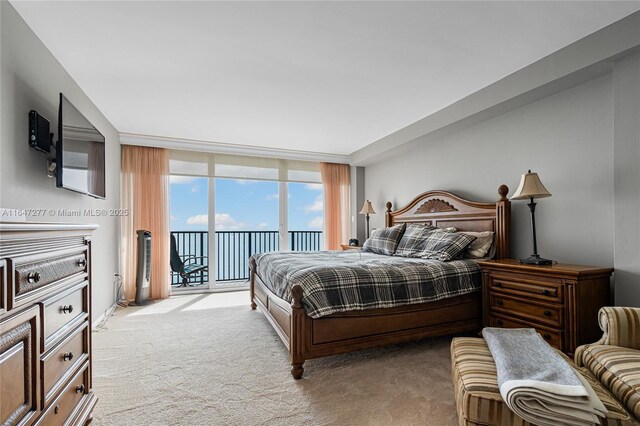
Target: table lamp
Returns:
[[531, 188], [367, 209]]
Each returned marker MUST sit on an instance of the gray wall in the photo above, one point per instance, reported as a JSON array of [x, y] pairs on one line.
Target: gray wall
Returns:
[[31, 78], [568, 138], [626, 160]]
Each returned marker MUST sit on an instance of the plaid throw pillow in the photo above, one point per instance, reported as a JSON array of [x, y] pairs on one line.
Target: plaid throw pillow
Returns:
[[481, 246], [444, 246], [384, 241], [412, 240]]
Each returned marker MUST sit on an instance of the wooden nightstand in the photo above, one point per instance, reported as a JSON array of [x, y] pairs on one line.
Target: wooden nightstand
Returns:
[[348, 247], [560, 301]]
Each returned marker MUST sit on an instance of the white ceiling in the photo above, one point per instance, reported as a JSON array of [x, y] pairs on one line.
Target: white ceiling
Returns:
[[326, 77]]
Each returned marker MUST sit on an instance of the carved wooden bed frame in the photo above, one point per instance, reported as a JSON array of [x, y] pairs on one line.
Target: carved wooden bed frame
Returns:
[[308, 338]]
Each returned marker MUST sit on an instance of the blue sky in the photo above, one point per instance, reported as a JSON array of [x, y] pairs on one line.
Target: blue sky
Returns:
[[243, 205]]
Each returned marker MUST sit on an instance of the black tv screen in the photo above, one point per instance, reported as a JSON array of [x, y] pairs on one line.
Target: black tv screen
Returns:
[[80, 162]]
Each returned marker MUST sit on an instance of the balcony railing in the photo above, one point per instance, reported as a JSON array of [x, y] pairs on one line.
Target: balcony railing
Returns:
[[234, 248]]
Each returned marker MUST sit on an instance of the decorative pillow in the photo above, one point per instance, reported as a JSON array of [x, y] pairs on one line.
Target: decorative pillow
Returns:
[[481, 246], [412, 240], [385, 240], [444, 246]]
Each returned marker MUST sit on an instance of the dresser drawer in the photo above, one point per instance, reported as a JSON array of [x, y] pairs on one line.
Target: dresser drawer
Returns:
[[19, 367], [4, 286], [548, 314], [527, 286], [35, 272], [62, 312], [64, 405], [553, 337], [63, 358]]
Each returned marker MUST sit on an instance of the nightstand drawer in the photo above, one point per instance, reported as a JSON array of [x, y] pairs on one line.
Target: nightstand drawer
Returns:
[[548, 314], [553, 337], [527, 287]]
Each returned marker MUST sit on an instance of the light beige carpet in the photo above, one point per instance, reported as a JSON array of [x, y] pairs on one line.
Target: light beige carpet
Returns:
[[211, 360]]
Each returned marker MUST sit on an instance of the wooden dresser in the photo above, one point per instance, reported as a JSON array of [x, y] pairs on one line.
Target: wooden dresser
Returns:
[[45, 324], [560, 301]]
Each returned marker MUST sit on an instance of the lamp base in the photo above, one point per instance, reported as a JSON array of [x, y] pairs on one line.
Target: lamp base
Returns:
[[534, 259]]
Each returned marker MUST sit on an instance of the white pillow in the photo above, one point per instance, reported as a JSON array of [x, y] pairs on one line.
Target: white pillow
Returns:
[[481, 246]]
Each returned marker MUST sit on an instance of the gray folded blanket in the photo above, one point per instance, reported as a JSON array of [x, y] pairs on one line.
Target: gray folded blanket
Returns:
[[537, 383]]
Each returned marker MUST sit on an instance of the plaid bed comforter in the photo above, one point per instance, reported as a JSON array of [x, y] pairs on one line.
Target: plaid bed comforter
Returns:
[[354, 280]]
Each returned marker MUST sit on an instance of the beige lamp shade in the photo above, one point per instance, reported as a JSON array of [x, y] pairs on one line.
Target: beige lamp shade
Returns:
[[367, 208], [530, 187]]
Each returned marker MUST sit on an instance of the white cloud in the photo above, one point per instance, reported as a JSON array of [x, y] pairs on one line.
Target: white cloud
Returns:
[[224, 222], [194, 189], [173, 218], [181, 180], [242, 181], [314, 186], [316, 223], [200, 219], [317, 206], [262, 225]]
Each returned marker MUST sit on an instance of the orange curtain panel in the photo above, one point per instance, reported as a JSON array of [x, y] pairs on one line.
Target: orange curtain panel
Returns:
[[145, 194], [336, 179]]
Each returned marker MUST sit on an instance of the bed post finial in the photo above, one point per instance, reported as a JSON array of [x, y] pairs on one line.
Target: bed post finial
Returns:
[[387, 215], [503, 190], [296, 292]]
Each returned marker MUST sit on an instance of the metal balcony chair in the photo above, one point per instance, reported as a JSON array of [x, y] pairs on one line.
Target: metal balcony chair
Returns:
[[184, 266]]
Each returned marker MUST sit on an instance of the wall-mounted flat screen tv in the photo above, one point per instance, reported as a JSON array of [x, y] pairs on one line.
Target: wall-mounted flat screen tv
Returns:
[[80, 162]]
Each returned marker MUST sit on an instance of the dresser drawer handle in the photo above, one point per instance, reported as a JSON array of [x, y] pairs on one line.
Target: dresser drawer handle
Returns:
[[67, 309], [499, 302], [499, 322], [547, 336], [546, 292], [68, 356], [80, 388], [56, 410], [33, 277], [547, 313], [82, 263]]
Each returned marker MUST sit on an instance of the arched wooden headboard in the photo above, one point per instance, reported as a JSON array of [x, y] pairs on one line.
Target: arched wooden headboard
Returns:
[[444, 209]]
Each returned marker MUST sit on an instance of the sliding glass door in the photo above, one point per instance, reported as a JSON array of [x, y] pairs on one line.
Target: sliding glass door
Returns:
[[246, 222], [189, 205]]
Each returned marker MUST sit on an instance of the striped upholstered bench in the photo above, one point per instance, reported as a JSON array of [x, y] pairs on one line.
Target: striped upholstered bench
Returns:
[[477, 396]]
